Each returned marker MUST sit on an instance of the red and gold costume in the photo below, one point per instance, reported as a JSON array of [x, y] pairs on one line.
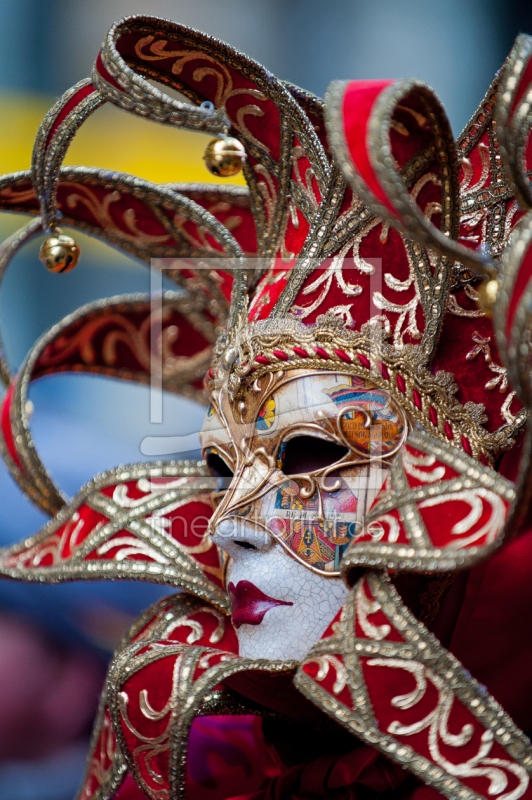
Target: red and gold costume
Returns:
[[376, 234]]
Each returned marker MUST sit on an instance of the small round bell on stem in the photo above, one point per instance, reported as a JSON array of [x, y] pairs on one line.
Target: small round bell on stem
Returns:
[[487, 293], [59, 253], [224, 156]]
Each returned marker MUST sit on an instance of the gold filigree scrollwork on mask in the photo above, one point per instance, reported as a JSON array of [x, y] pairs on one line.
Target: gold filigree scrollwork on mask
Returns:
[[312, 504], [275, 346]]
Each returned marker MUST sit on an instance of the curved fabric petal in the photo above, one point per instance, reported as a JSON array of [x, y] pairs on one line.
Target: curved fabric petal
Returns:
[[181, 618], [124, 337], [204, 68], [121, 84], [382, 130], [106, 768], [169, 674], [142, 522], [428, 482], [514, 117], [381, 674]]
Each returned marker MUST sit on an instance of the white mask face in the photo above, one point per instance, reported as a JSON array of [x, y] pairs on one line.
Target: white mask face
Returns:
[[301, 471]]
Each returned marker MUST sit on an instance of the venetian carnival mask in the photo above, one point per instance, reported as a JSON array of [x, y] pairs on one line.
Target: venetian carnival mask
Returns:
[[360, 399], [298, 473]]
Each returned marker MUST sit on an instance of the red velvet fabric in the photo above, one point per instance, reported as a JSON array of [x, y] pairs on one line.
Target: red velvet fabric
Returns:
[[6, 426], [382, 690], [442, 521], [116, 342], [197, 73], [410, 132], [358, 102], [472, 374], [491, 637], [383, 250], [520, 285], [69, 106]]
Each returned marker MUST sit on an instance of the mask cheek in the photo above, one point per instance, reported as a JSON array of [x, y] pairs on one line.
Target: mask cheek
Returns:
[[365, 484], [293, 518]]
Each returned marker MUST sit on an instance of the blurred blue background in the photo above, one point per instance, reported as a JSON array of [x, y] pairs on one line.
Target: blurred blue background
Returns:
[[84, 425]]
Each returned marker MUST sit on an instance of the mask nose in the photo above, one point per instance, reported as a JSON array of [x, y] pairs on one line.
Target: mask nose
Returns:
[[237, 536]]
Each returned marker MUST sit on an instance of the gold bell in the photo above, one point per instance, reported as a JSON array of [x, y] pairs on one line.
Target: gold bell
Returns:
[[224, 157], [487, 295], [59, 253]]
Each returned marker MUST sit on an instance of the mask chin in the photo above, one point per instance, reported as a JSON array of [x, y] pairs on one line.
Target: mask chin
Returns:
[[291, 609]]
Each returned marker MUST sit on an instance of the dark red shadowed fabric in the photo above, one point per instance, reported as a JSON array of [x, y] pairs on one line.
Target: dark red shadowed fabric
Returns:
[[346, 777], [491, 635], [227, 756], [129, 790], [83, 193]]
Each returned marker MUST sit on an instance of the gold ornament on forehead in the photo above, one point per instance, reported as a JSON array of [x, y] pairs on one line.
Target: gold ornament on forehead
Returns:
[[267, 349]]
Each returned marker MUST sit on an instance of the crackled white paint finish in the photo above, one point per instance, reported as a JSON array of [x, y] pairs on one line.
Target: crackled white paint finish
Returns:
[[286, 632]]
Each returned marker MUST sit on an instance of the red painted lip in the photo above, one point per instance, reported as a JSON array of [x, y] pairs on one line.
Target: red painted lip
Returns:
[[249, 605]]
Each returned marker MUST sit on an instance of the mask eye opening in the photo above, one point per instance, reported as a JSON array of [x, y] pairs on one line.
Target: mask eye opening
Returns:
[[217, 465], [303, 454]]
